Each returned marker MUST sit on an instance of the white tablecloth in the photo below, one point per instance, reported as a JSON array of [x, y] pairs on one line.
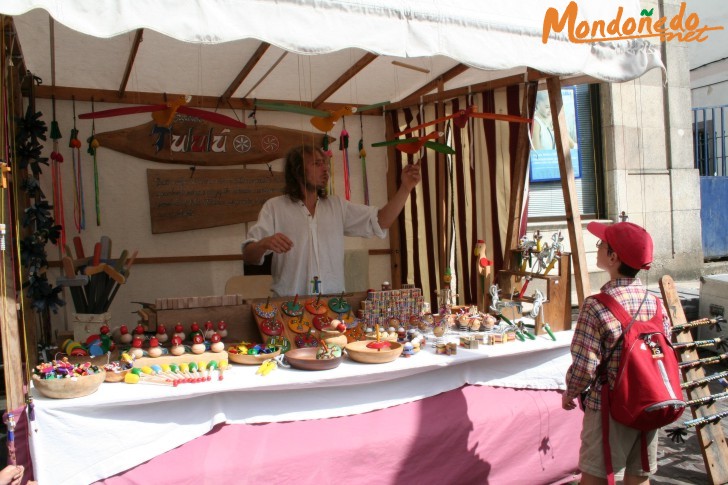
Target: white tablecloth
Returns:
[[120, 426]]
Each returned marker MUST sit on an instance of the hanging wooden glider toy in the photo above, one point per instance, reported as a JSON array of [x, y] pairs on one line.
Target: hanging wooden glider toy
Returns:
[[321, 120], [163, 114], [414, 144], [460, 119]]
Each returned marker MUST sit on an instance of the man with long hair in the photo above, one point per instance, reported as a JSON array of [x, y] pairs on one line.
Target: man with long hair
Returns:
[[304, 229]]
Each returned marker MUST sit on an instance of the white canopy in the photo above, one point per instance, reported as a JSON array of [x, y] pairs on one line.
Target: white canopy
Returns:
[[329, 38]]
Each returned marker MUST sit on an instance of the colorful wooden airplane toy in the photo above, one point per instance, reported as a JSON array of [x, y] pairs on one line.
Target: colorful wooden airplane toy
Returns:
[[414, 144], [321, 120], [163, 114], [460, 119]]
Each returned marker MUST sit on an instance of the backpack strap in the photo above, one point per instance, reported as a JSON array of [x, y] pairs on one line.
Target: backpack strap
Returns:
[[614, 306]]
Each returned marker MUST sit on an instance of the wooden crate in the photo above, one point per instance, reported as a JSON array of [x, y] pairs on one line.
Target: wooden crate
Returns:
[[233, 309]]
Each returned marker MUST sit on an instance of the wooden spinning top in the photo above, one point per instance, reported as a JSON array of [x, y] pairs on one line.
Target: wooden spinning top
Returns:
[[292, 308], [316, 307], [378, 344], [339, 305], [266, 311]]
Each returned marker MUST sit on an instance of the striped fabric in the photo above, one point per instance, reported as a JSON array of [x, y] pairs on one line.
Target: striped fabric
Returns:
[[477, 193]]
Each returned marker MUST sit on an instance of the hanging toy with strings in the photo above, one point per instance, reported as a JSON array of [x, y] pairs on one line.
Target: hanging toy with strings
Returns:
[[56, 161], [253, 113], [344, 148], [79, 213], [329, 154], [93, 144], [363, 156]]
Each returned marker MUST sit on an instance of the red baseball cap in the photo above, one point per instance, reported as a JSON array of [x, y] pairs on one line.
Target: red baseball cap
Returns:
[[631, 242]]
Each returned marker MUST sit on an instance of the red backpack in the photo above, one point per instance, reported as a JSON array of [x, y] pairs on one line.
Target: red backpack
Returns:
[[647, 393]]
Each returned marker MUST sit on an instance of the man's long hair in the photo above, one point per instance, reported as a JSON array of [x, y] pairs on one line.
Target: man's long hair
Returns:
[[295, 178]]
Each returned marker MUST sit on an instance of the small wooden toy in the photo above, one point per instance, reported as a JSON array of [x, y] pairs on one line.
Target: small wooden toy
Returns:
[[198, 344], [136, 348], [177, 347], [154, 349], [179, 332], [162, 336], [222, 328], [124, 335], [216, 344]]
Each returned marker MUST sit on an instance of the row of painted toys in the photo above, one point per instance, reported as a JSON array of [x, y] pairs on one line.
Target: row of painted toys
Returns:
[[172, 374], [176, 374], [94, 281], [200, 341]]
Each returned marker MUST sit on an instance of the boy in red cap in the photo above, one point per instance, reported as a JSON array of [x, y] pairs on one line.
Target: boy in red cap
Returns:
[[623, 250]]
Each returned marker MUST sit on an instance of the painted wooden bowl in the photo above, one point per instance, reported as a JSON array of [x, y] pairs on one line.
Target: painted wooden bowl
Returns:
[[69, 388], [359, 352], [116, 376], [252, 359], [305, 359]]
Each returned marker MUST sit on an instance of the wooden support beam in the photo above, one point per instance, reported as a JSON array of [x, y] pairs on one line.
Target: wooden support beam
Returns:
[[207, 258], [416, 96], [518, 177], [137, 98], [138, 37], [12, 44], [443, 227], [395, 237], [244, 72], [568, 186], [344, 78]]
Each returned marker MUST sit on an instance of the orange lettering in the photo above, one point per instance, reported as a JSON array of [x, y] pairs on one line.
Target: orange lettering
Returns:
[[629, 26], [613, 26], [676, 21], [659, 26], [598, 28], [551, 21], [692, 22], [582, 30]]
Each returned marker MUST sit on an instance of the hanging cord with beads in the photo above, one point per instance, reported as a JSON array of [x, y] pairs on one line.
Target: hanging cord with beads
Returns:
[[79, 213], [93, 144], [344, 148], [363, 156], [56, 161]]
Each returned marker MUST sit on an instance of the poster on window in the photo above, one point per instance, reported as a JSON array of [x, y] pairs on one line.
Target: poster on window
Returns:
[[543, 159]]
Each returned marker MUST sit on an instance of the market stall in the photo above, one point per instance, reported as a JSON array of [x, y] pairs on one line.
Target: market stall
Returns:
[[500, 54], [391, 406]]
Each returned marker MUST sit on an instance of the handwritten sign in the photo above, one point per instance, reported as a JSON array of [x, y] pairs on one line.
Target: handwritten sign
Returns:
[[182, 200]]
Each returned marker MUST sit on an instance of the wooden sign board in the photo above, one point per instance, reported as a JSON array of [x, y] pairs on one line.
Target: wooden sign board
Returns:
[[182, 200], [192, 141]]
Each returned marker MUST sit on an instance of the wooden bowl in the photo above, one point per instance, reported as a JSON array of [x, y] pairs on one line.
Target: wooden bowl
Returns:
[[248, 359], [305, 359], [69, 388], [359, 352], [112, 376]]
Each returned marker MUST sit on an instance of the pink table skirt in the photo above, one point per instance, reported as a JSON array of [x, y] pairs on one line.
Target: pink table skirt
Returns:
[[473, 434]]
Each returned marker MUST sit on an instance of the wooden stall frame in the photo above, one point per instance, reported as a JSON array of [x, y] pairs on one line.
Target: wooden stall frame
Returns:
[[710, 436]]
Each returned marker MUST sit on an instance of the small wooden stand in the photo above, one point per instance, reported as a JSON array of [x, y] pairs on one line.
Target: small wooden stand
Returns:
[[556, 310], [710, 435]]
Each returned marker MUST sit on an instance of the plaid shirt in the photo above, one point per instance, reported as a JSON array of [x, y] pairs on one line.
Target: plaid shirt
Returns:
[[596, 332]]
